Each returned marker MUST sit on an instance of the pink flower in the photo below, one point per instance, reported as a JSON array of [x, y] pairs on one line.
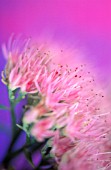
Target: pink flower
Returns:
[[60, 145], [25, 61], [89, 150], [35, 113], [71, 110], [80, 115], [87, 154], [42, 129], [70, 98]]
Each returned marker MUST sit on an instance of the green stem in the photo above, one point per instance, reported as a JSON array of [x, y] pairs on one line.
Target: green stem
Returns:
[[13, 117], [12, 110]]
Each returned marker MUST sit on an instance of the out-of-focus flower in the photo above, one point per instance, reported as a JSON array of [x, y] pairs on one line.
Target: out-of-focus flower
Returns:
[[85, 152], [41, 129], [86, 155], [34, 113], [61, 145]]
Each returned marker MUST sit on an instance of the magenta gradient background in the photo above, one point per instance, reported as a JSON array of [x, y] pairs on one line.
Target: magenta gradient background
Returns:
[[86, 23]]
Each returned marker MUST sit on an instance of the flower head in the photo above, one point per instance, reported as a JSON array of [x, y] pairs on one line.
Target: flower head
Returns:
[[24, 61], [70, 110]]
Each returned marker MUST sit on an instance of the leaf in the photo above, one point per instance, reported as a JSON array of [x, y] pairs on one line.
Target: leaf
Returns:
[[29, 157], [25, 128], [3, 107], [19, 126]]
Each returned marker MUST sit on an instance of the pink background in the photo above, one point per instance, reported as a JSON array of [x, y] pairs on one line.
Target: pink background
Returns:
[[85, 24]]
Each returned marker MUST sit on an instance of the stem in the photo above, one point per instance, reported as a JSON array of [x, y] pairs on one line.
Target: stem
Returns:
[[12, 110], [13, 117], [9, 154], [15, 132]]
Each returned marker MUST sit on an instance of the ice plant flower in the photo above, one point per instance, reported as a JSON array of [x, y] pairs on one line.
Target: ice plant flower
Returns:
[[24, 61], [76, 108], [72, 111]]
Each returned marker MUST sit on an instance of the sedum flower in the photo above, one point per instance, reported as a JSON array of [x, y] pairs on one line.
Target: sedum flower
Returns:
[[24, 61], [70, 98], [72, 110], [79, 119]]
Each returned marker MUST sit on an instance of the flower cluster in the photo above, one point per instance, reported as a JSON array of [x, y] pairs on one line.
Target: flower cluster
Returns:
[[71, 109], [25, 61]]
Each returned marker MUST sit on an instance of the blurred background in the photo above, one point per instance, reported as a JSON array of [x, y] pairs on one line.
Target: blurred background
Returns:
[[82, 24]]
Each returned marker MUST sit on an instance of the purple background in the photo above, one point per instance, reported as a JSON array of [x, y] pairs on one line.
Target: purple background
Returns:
[[84, 23]]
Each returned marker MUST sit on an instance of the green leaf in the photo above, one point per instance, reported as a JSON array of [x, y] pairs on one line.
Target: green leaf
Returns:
[[19, 126], [25, 128], [2, 107], [29, 157]]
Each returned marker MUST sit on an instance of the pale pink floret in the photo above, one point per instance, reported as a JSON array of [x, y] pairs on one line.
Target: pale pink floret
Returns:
[[34, 113], [42, 129]]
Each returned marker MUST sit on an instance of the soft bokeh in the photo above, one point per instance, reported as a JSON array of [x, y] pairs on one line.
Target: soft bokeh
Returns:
[[84, 25]]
